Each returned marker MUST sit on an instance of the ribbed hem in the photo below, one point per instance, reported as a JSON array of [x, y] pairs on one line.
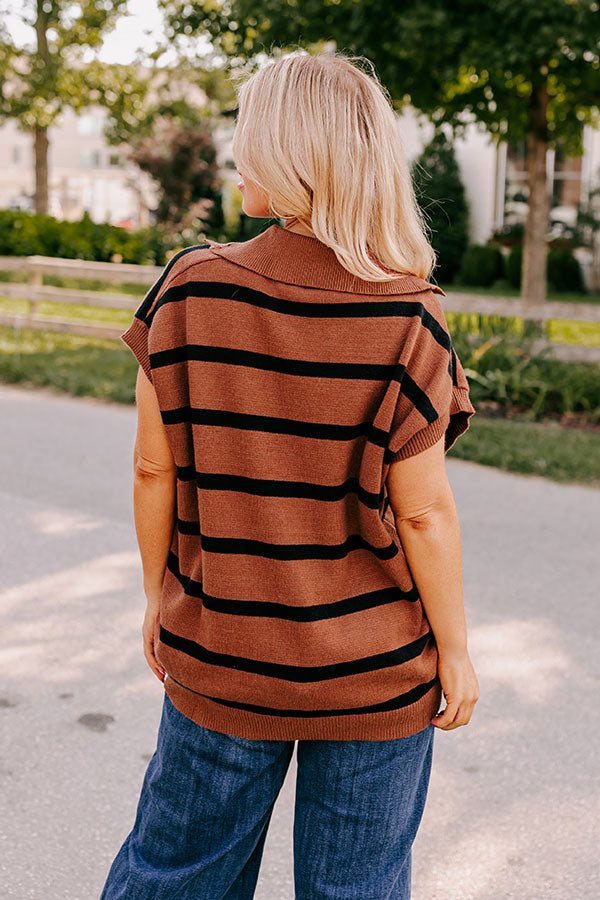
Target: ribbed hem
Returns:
[[422, 440], [136, 338], [451, 426], [368, 727]]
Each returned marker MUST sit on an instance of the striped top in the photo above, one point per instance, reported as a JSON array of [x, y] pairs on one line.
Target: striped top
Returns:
[[287, 385]]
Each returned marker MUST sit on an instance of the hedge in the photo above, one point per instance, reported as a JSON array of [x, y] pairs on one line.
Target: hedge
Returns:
[[29, 234]]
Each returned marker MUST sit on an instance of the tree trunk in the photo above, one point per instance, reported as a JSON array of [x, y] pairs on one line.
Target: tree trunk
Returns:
[[41, 169], [40, 132], [535, 248]]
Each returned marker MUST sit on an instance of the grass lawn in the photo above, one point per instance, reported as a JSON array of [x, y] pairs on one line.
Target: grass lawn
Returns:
[[503, 288], [107, 369], [534, 448]]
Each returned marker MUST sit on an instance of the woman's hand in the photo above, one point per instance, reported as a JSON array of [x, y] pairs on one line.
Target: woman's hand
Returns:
[[149, 629], [460, 687]]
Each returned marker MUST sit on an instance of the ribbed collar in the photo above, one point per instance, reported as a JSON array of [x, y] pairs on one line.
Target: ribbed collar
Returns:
[[293, 258]]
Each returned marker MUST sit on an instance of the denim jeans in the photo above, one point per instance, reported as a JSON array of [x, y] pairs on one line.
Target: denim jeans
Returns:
[[206, 803]]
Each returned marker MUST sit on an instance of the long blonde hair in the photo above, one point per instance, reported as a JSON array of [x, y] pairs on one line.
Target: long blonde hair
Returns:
[[320, 137]]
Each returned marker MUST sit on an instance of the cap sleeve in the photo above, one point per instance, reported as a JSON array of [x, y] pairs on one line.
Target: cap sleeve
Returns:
[[432, 389], [138, 334]]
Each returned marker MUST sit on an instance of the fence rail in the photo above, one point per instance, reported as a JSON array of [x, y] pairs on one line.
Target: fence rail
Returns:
[[119, 273]]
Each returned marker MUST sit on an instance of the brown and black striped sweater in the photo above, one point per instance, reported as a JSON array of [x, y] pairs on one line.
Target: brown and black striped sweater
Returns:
[[287, 386]]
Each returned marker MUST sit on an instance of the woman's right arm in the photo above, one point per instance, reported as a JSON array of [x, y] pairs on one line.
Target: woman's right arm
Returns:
[[427, 522]]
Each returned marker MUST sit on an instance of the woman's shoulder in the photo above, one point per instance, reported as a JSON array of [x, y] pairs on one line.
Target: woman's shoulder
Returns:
[[189, 258]]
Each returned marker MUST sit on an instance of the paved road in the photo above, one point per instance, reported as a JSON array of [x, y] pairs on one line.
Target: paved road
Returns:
[[512, 810]]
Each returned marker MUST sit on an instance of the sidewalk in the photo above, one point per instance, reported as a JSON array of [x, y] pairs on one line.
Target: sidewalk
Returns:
[[513, 799]]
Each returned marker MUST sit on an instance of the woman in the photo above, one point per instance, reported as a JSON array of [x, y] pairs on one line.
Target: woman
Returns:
[[298, 534]]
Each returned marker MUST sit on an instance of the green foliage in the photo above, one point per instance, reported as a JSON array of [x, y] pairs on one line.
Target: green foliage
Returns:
[[471, 56], [139, 103], [513, 233], [441, 195], [514, 263], [564, 270], [482, 265], [562, 267], [29, 234], [49, 76], [501, 366], [182, 160]]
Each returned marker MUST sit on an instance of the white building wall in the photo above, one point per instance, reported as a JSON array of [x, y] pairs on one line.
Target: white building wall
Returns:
[[84, 173]]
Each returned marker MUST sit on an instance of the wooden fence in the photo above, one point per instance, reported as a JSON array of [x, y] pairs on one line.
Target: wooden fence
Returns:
[[117, 273]]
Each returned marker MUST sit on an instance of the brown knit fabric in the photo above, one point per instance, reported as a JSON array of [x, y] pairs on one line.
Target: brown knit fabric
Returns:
[[287, 386]]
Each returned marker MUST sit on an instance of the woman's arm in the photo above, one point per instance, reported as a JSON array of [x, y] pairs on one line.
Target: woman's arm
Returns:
[[154, 505], [427, 522]]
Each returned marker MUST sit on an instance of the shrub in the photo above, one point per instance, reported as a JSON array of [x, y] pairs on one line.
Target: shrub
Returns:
[[498, 359], [28, 234], [564, 270], [513, 265], [482, 265], [441, 195]]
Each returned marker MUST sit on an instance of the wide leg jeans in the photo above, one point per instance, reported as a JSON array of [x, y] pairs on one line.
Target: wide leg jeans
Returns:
[[207, 799]]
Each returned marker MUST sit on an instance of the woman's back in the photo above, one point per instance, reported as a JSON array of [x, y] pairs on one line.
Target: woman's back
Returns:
[[287, 385]]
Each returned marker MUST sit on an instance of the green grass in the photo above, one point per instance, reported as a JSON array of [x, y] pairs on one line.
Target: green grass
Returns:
[[82, 284], [566, 331], [535, 448], [107, 369], [82, 366], [503, 288], [74, 312], [559, 331]]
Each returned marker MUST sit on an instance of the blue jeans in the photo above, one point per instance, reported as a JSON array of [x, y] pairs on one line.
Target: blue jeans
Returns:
[[207, 799]]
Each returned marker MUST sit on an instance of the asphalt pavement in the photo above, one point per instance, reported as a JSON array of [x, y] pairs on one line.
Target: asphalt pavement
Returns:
[[514, 797]]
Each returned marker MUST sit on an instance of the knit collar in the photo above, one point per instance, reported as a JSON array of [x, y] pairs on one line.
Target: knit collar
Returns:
[[293, 258]]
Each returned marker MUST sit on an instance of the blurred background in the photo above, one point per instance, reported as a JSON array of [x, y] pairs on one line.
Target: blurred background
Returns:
[[116, 122]]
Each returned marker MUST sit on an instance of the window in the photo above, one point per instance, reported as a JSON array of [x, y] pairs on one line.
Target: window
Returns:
[[564, 175], [89, 159], [566, 184], [516, 191]]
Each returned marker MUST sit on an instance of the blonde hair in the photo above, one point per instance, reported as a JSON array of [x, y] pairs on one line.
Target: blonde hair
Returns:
[[320, 137]]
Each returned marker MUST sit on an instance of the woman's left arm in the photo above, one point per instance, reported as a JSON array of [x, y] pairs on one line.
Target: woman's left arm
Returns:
[[154, 504]]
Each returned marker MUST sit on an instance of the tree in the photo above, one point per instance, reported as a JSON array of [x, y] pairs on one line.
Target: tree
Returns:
[[162, 118], [525, 70], [182, 160], [441, 194], [41, 80]]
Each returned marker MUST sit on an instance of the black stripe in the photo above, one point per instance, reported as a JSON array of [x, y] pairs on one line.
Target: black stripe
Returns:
[[267, 550], [453, 367], [369, 309], [418, 398], [274, 424], [254, 360], [397, 702], [143, 311], [271, 609], [271, 487], [297, 674], [322, 431]]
